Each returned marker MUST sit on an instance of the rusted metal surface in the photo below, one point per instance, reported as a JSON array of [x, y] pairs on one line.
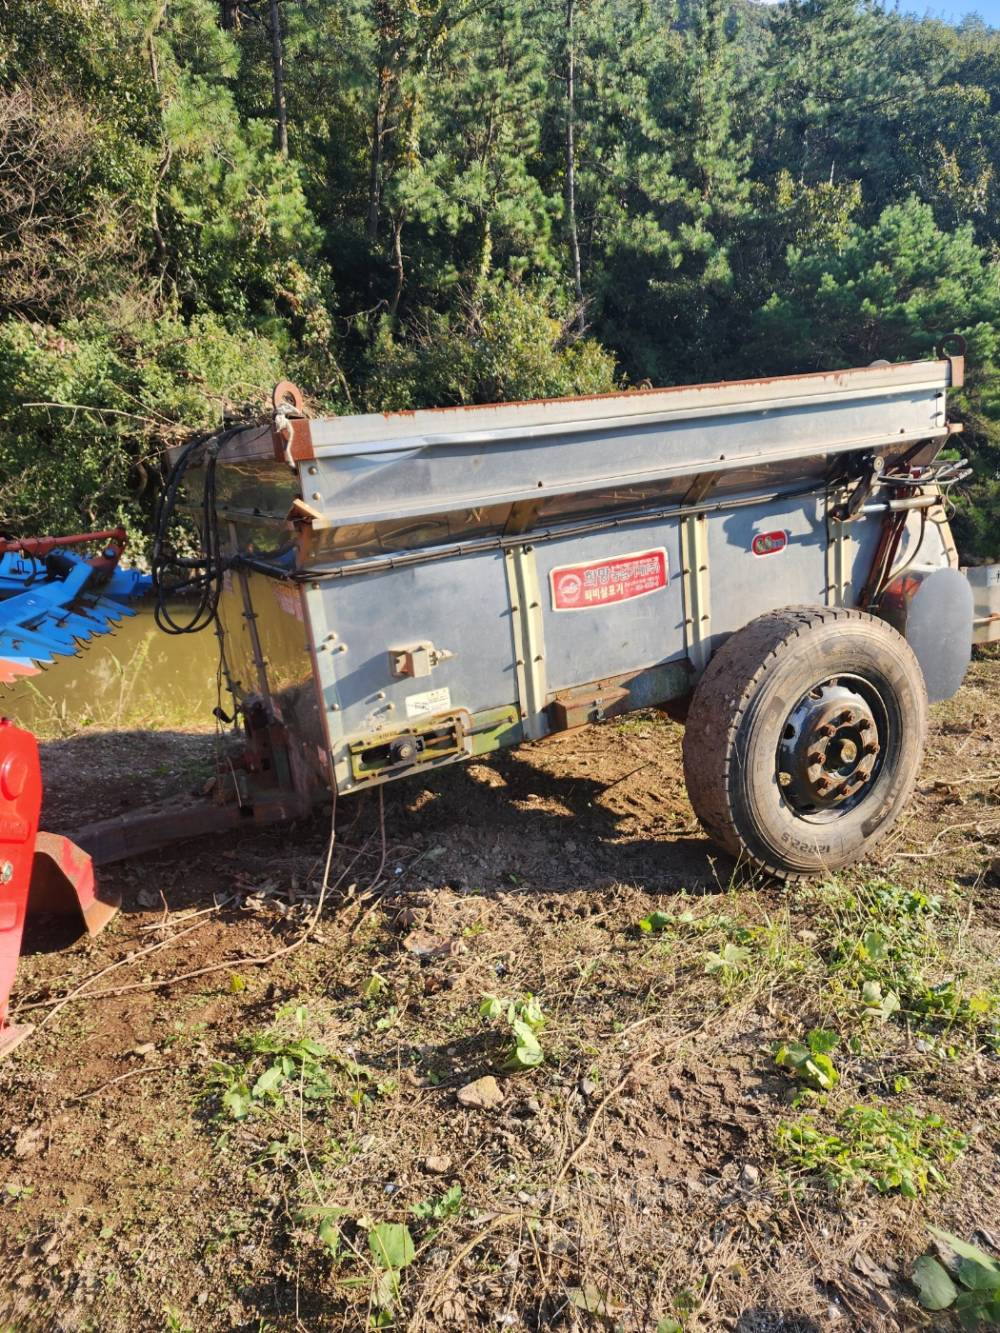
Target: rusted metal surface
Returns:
[[62, 882], [40, 547], [292, 440], [619, 694], [270, 782], [291, 434], [831, 746]]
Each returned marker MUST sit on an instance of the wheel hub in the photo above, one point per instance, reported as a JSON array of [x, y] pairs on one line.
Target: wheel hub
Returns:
[[830, 749]]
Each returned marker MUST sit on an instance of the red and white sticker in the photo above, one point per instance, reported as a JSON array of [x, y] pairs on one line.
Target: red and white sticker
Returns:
[[618, 578], [769, 543]]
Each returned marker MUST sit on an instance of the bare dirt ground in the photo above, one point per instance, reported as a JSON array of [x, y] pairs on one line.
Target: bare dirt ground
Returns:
[[288, 1146]]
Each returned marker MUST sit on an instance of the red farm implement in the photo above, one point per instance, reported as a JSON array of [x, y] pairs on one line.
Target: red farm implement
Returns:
[[41, 871]]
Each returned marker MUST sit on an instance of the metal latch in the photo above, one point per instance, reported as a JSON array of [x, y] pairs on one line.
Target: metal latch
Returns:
[[382, 755], [417, 659]]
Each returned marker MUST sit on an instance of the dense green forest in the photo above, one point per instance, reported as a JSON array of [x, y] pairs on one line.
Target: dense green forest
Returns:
[[409, 202]]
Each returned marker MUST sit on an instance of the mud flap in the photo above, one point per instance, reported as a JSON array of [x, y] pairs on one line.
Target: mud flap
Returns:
[[933, 610]]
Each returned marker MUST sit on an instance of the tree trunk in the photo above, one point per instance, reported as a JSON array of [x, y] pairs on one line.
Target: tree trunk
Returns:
[[162, 256], [375, 163], [397, 263], [228, 18], [574, 240], [278, 71]]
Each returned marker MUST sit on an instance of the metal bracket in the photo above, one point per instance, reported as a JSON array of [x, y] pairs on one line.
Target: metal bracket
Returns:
[[250, 616], [529, 643], [381, 755], [849, 507], [938, 514], [696, 587], [837, 555], [417, 659]]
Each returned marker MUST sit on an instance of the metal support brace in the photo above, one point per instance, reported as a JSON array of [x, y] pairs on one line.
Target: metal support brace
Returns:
[[250, 616], [838, 570], [529, 643], [696, 586]]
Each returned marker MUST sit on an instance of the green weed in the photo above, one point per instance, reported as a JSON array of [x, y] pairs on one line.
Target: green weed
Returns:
[[390, 1245], [277, 1064], [524, 1020], [884, 942], [810, 1061], [971, 1288], [889, 1150], [440, 1209]]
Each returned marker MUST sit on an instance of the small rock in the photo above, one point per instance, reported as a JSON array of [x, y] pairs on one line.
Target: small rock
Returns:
[[482, 1095], [834, 1312], [28, 1142], [749, 1176], [532, 1106], [437, 1166], [149, 898], [424, 945], [867, 1267], [452, 1309], [588, 1087], [144, 1048]]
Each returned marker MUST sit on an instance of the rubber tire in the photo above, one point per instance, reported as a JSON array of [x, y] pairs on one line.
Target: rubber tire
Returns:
[[737, 714]]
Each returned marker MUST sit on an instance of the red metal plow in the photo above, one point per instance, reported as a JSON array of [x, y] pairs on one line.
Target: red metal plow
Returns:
[[39, 872]]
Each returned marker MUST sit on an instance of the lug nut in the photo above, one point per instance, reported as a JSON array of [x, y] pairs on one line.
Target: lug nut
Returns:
[[870, 747], [827, 730], [815, 756]]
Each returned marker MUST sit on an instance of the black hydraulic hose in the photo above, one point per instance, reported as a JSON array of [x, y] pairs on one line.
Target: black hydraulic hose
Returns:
[[201, 574]]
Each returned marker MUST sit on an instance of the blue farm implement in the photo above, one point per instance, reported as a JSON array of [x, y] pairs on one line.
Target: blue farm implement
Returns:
[[53, 601]]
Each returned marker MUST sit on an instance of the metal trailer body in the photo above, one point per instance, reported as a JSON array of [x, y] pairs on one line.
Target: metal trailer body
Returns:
[[410, 589]]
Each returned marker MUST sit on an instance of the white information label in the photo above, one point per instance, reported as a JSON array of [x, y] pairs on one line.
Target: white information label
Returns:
[[431, 701]]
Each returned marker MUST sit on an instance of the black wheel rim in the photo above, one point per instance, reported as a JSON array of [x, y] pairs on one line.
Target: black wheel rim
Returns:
[[833, 748]]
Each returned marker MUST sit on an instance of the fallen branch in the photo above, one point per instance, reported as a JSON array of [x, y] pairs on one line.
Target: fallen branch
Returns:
[[129, 1073], [101, 411]]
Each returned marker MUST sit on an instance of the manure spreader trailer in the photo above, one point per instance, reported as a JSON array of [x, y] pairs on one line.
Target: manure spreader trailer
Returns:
[[769, 560]]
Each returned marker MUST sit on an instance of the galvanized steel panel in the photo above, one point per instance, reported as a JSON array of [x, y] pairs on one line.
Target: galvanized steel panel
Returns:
[[609, 639], [459, 605]]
